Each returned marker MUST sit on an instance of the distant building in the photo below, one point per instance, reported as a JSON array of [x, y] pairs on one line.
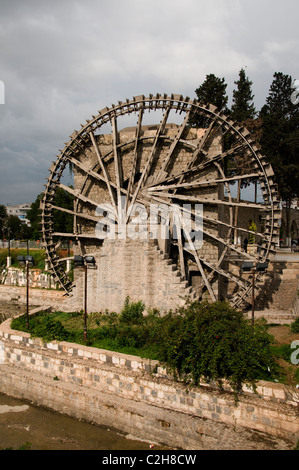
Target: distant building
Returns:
[[20, 211]]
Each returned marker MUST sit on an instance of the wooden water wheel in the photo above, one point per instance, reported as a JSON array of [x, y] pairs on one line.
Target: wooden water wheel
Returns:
[[171, 164]]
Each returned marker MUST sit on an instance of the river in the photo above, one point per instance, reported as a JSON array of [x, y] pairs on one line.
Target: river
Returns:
[[36, 428]]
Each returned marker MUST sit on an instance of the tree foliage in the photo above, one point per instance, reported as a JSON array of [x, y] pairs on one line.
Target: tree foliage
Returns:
[[33, 215], [243, 108], [280, 138], [214, 341], [3, 216], [211, 91], [62, 221]]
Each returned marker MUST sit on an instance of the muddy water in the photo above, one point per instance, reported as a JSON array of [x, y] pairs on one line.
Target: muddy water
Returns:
[[22, 424]]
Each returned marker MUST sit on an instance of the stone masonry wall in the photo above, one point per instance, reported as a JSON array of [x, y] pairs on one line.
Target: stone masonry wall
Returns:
[[133, 268], [136, 396], [37, 297]]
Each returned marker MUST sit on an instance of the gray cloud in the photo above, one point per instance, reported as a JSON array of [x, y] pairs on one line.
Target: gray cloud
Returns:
[[63, 61]]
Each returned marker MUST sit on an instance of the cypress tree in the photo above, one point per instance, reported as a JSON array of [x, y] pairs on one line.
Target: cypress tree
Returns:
[[243, 108], [280, 138], [211, 91]]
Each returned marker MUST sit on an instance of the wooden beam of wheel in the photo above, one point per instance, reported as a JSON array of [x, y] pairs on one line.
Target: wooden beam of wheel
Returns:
[[230, 226], [220, 271], [209, 234], [117, 161], [75, 235], [173, 145], [134, 163], [202, 200], [86, 170], [103, 168], [196, 184], [148, 164], [154, 147], [187, 172], [199, 150], [77, 195], [76, 214], [199, 265]]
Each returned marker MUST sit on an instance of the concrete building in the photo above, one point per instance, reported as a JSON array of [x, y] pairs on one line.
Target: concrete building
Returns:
[[20, 210]]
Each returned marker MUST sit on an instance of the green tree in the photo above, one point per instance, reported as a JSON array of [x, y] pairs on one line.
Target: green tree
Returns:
[[243, 108], [3, 216], [242, 111], [33, 215], [211, 91], [13, 226], [63, 222], [280, 138], [26, 232]]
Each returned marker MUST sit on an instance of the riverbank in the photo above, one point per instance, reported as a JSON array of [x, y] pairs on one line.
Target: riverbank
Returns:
[[104, 387]]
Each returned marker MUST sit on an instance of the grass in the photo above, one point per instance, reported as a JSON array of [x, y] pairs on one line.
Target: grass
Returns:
[[103, 332], [38, 254], [282, 338], [39, 257]]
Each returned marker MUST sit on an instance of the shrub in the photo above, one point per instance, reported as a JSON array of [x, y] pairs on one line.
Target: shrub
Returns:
[[214, 341], [295, 326], [132, 312], [43, 327]]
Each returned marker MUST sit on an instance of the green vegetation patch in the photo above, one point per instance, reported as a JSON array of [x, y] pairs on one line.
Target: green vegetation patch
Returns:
[[200, 341], [39, 257]]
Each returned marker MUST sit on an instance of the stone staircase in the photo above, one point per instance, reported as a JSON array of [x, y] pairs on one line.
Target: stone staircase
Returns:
[[137, 269], [180, 285]]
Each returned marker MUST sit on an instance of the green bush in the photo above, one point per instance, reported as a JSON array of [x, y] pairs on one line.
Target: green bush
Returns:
[[295, 326], [214, 341], [43, 326], [132, 312]]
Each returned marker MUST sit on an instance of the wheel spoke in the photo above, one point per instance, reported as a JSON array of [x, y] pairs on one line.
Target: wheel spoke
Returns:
[[202, 200], [220, 271], [196, 184], [150, 159], [77, 195], [103, 168], [195, 169], [173, 146], [199, 264], [75, 235], [135, 155], [117, 161], [199, 149], [83, 215]]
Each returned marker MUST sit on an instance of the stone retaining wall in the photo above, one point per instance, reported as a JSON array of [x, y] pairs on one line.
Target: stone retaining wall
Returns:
[[137, 397], [37, 297]]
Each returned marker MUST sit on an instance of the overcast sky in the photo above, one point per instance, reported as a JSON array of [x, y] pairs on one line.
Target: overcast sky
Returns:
[[62, 61]]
